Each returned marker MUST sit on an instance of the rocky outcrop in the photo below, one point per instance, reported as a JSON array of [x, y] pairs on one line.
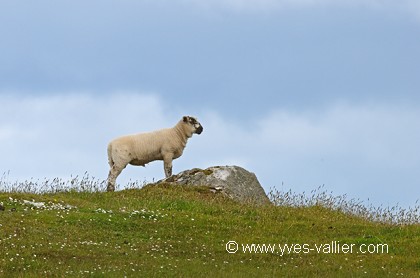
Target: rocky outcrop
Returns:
[[232, 181]]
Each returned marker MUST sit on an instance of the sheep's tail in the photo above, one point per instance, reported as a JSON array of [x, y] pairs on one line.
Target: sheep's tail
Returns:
[[110, 161]]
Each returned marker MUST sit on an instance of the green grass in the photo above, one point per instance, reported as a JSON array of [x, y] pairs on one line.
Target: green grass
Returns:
[[182, 231]]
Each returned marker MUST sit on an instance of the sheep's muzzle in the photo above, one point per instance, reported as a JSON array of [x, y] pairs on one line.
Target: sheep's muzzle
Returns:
[[199, 129]]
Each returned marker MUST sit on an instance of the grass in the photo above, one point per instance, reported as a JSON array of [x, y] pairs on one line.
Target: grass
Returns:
[[75, 229]]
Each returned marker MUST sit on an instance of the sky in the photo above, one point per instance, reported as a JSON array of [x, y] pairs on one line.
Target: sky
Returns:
[[303, 93]]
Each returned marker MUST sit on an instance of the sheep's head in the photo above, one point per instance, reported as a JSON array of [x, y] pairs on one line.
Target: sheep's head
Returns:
[[193, 124]]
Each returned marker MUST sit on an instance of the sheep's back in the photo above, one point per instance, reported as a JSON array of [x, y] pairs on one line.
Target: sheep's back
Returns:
[[150, 145]]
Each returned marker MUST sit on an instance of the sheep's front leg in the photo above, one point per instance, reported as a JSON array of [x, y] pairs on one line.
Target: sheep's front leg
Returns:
[[167, 165]]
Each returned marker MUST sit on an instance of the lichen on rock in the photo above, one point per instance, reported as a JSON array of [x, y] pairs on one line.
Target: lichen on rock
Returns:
[[232, 181]]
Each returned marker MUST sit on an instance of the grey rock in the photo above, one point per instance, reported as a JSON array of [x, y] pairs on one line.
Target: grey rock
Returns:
[[232, 181]]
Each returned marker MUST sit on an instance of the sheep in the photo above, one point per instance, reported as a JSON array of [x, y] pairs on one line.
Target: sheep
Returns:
[[139, 149]]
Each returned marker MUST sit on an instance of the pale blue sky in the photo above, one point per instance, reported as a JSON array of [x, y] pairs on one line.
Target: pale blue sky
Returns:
[[300, 92]]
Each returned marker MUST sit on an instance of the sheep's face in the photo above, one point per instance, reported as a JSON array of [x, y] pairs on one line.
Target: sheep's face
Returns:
[[193, 124]]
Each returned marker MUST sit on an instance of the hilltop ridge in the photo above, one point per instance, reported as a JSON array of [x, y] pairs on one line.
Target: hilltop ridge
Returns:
[[165, 230]]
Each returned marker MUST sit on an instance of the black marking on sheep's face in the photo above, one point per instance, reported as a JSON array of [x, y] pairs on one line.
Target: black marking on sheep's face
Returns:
[[186, 119], [193, 122], [190, 120], [199, 129]]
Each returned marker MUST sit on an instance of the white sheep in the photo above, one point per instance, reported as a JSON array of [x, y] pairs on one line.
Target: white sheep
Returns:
[[140, 149]]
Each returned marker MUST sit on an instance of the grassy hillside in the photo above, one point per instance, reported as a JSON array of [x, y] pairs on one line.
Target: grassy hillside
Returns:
[[182, 231]]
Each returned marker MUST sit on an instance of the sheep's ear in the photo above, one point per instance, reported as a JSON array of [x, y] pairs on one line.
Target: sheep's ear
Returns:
[[185, 119]]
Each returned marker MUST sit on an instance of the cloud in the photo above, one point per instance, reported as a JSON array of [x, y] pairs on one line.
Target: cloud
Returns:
[[372, 131], [365, 150], [61, 135]]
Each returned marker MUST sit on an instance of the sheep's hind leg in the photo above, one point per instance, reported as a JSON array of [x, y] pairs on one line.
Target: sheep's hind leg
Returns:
[[112, 177]]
